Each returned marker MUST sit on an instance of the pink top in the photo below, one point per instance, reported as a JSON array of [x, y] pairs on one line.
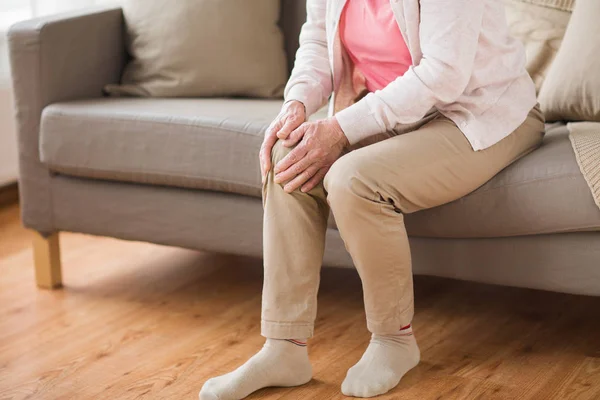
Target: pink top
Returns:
[[372, 39]]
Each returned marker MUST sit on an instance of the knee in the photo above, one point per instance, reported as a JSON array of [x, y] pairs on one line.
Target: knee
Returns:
[[278, 153], [347, 180]]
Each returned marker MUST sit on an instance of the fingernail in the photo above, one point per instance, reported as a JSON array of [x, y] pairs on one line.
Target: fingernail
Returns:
[[277, 179]]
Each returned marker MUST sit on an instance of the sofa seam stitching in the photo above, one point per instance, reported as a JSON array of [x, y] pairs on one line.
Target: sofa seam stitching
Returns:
[[59, 115], [170, 175]]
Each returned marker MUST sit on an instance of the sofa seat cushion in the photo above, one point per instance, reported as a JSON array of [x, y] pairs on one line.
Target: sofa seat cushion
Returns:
[[213, 144], [543, 192], [194, 143]]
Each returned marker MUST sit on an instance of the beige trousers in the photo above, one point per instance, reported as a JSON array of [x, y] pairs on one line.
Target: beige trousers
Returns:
[[369, 189]]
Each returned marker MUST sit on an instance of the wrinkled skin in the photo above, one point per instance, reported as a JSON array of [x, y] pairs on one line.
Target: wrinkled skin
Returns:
[[291, 116], [318, 145]]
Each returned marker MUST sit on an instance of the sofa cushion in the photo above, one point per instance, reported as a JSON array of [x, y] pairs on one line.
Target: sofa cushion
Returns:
[[571, 91], [203, 48], [195, 143], [213, 144], [540, 28], [544, 192]]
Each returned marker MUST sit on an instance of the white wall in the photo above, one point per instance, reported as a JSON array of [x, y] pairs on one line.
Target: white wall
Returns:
[[8, 139]]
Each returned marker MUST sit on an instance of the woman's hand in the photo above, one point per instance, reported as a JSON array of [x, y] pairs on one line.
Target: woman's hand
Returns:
[[291, 116], [321, 144]]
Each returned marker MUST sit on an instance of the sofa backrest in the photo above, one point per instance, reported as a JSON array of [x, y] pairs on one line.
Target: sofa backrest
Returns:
[[293, 15]]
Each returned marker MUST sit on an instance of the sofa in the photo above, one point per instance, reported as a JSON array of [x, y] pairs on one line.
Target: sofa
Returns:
[[184, 171]]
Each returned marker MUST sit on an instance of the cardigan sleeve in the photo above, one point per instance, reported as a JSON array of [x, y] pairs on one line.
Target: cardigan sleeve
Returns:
[[311, 79], [449, 36]]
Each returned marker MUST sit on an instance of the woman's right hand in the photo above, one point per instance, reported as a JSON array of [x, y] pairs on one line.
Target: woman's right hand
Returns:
[[291, 116]]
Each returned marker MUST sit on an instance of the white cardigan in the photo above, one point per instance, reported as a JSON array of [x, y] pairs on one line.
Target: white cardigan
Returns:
[[465, 64]]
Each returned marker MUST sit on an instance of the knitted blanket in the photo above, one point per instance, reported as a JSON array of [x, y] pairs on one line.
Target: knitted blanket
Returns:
[[585, 138], [565, 5]]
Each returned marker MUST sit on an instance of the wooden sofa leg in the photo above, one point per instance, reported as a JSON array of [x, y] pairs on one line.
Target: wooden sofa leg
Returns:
[[46, 255]]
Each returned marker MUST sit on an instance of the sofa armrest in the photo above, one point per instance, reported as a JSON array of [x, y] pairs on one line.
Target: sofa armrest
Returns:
[[57, 58]]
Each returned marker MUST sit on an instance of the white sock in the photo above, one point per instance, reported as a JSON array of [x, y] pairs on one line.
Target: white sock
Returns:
[[384, 363], [279, 363]]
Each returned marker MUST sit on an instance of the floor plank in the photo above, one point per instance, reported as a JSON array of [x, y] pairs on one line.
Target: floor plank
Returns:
[[141, 321]]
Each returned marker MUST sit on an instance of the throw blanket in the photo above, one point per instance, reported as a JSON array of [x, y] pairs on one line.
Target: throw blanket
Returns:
[[585, 138], [565, 5]]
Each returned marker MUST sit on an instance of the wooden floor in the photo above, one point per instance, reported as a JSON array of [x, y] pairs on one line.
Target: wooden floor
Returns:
[[140, 321]]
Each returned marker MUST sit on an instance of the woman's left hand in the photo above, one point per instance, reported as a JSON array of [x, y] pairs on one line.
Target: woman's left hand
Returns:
[[321, 144]]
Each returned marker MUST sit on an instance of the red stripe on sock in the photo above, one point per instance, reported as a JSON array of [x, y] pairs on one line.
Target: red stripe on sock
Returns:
[[406, 327], [296, 342]]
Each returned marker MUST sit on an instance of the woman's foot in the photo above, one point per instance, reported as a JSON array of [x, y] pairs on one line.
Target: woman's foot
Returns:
[[384, 363], [279, 363]]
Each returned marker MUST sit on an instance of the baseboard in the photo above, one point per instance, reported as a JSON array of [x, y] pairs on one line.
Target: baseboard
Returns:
[[9, 194]]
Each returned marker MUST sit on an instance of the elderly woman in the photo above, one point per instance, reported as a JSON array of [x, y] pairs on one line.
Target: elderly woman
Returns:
[[429, 100]]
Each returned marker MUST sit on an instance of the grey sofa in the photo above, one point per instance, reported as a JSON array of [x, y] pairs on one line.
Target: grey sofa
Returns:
[[184, 172]]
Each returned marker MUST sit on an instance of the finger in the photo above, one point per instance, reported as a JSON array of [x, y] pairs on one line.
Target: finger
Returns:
[[275, 126], [265, 154], [291, 122], [293, 170], [292, 158], [301, 179], [295, 136], [314, 181]]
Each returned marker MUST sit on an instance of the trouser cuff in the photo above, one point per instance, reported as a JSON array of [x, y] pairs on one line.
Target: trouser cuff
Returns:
[[388, 327], [286, 330]]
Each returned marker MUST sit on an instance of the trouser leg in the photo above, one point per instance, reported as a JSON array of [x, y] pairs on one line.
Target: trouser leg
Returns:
[[370, 189], [294, 229]]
